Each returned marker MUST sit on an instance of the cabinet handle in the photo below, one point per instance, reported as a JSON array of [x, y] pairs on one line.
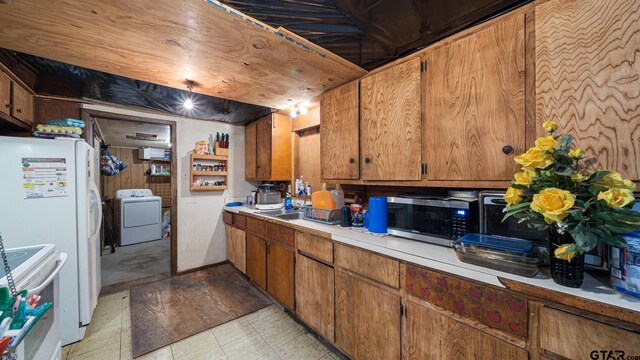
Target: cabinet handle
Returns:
[[352, 160], [507, 149], [367, 160], [19, 111], [7, 105]]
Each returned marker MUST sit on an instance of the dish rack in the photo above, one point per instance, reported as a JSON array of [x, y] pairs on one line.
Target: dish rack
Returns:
[[325, 216]]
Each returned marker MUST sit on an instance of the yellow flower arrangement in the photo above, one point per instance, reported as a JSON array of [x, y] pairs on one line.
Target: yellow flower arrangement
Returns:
[[554, 191]]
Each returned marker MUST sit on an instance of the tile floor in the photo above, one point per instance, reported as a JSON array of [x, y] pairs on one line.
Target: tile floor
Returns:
[[265, 334]]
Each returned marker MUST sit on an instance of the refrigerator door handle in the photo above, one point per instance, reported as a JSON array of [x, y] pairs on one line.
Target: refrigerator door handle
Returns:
[[56, 270], [95, 198]]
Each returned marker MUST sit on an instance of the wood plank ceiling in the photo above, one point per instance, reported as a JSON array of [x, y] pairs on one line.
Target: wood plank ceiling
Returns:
[[166, 42]]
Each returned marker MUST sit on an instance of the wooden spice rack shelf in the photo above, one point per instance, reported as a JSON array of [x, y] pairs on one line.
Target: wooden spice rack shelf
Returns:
[[207, 158]]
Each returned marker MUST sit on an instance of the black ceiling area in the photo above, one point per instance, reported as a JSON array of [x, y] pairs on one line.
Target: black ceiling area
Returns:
[[370, 33], [60, 79]]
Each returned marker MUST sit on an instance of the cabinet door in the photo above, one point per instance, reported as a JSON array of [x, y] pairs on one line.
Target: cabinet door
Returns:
[[263, 148], [391, 126], [314, 295], [239, 249], [257, 260], [250, 151], [474, 104], [280, 161], [228, 232], [367, 319], [587, 77], [22, 104], [431, 335], [280, 274], [339, 133], [5, 94]]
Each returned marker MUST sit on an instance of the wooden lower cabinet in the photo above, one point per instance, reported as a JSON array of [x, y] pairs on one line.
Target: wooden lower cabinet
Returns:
[[367, 319], [280, 273], [315, 295], [237, 247], [257, 260], [432, 335]]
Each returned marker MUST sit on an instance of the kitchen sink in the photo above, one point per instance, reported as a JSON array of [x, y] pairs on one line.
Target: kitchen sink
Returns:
[[290, 216]]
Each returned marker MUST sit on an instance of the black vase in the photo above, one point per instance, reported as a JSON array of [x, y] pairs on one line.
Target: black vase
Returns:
[[564, 272]]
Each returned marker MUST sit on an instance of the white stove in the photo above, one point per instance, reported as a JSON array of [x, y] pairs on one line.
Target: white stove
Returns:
[[36, 269]]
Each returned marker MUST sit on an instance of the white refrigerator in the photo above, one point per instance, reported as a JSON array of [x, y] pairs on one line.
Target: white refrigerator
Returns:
[[48, 194]]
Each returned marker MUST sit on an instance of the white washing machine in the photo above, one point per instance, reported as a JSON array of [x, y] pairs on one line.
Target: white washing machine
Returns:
[[137, 216]]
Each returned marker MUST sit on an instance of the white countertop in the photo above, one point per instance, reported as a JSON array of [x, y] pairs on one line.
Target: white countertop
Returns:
[[444, 259]]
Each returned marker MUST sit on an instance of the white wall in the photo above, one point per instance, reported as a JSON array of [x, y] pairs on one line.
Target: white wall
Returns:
[[201, 236]]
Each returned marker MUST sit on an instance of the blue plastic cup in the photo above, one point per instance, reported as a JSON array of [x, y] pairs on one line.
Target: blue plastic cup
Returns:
[[375, 219]]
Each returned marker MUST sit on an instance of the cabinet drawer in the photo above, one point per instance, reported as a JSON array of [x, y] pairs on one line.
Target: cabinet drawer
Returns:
[[257, 227], [575, 337], [227, 218], [368, 264], [494, 308], [280, 233], [317, 247], [239, 221]]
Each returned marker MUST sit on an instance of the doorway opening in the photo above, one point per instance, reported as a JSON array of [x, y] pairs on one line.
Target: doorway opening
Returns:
[[138, 184]]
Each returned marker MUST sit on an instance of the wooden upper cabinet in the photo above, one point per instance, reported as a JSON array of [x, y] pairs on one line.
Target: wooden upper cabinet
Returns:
[[250, 151], [5, 94], [263, 148], [391, 125], [587, 77], [339, 133], [474, 101], [22, 108], [272, 148]]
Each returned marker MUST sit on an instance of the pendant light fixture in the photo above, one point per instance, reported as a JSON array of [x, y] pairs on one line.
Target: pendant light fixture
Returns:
[[188, 102]]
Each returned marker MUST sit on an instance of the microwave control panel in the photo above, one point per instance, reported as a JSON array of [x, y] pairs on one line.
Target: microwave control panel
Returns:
[[459, 222]]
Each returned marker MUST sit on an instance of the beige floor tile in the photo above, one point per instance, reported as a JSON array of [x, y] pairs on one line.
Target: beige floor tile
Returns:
[[270, 356], [232, 330], [213, 355], [101, 321], [126, 350], [303, 347], [160, 354], [97, 339], [266, 315], [249, 347], [280, 332], [113, 297], [104, 353], [195, 346], [331, 356], [65, 352]]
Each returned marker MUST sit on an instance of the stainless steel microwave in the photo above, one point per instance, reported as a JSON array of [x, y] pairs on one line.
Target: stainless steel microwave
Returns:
[[491, 205], [436, 221]]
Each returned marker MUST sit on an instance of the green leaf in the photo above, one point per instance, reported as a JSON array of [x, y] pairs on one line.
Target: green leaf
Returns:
[[598, 175]]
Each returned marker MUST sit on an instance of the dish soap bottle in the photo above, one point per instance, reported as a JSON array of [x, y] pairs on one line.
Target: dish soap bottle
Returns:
[[287, 202]]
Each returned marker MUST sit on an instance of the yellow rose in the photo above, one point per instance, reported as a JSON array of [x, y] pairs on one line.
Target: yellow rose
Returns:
[[550, 125], [616, 197], [529, 171], [576, 153], [553, 203], [513, 196], [578, 177], [615, 180], [522, 178], [547, 143], [565, 252], [534, 158]]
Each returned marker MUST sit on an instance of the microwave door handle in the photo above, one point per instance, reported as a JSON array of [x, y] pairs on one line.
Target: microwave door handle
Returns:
[[47, 281]]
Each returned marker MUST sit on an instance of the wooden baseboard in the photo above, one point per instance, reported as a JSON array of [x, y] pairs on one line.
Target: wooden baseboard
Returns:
[[201, 268]]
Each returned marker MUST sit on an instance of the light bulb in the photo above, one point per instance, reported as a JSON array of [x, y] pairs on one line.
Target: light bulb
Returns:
[[188, 104], [293, 113]]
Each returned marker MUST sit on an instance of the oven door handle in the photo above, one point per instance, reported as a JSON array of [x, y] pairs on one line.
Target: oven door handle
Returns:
[[47, 281]]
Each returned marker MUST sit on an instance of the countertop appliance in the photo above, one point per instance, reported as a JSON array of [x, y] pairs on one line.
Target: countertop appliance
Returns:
[[49, 195], [37, 268], [137, 216], [268, 197], [491, 215], [436, 221]]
